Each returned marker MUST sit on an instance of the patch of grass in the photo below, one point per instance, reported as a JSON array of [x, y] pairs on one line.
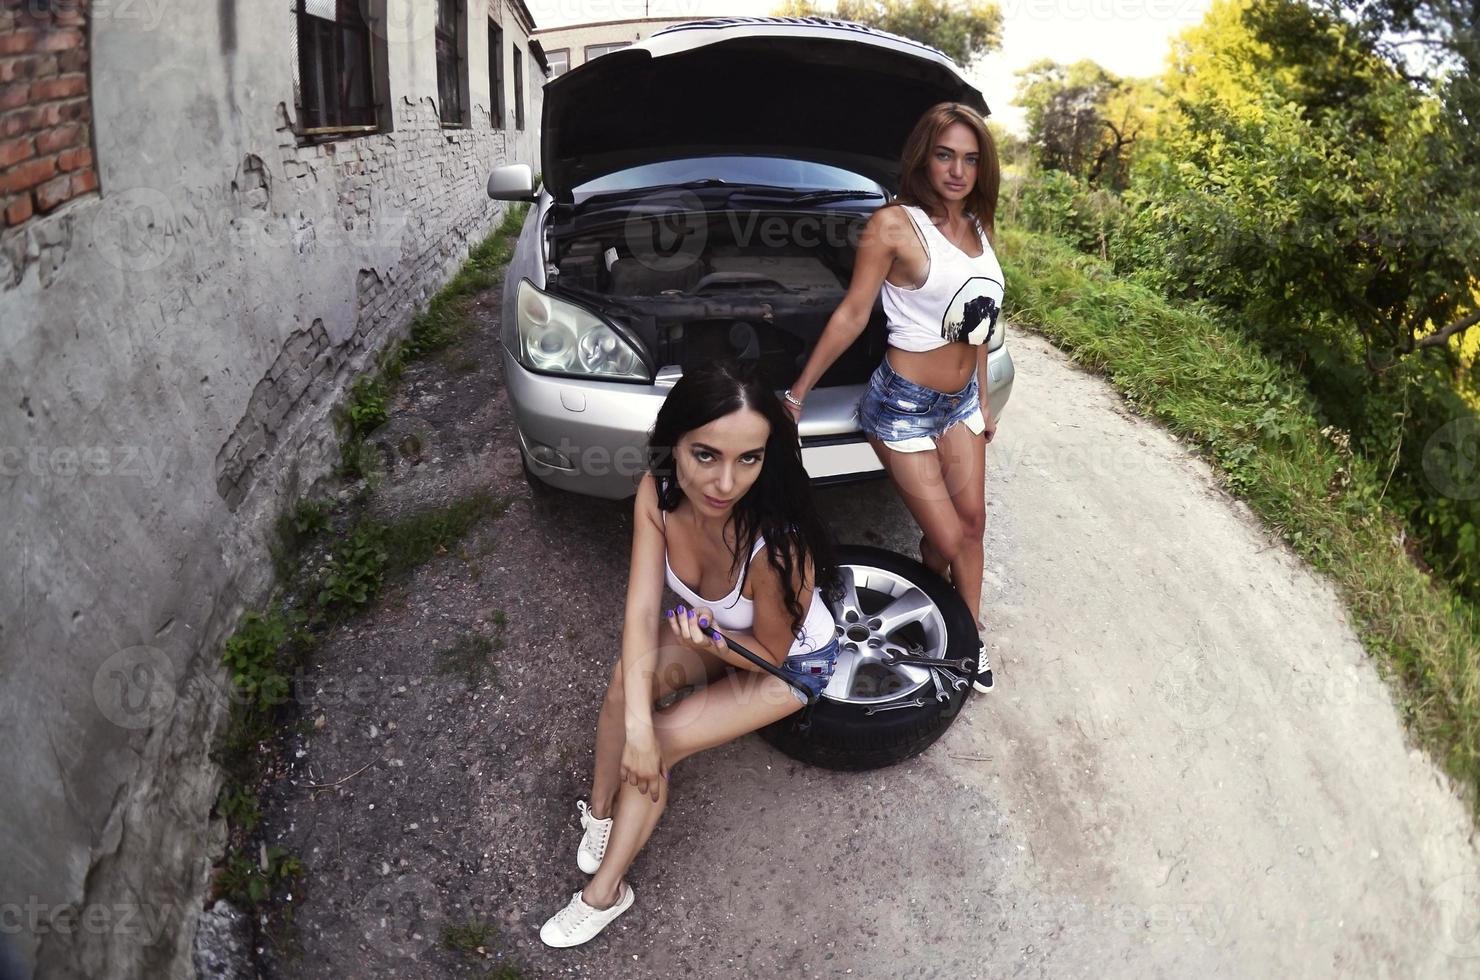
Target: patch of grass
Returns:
[[254, 655], [469, 936], [355, 569], [445, 321], [366, 408], [468, 657], [238, 807], [1256, 421], [374, 549], [295, 530], [249, 882], [415, 539]]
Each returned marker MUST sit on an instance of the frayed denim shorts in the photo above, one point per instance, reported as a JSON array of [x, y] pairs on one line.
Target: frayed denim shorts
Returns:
[[908, 418], [813, 669]]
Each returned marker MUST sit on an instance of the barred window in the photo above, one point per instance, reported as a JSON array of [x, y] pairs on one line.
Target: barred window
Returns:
[[451, 46], [335, 84]]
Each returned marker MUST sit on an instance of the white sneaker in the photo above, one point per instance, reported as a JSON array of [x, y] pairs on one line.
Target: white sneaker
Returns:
[[578, 922], [982, 682], [593, 841]]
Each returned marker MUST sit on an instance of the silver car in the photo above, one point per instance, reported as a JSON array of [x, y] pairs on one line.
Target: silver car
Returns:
[[703, 191]]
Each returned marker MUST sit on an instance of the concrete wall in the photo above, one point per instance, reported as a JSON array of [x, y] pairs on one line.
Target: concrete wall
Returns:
[[169, 350]]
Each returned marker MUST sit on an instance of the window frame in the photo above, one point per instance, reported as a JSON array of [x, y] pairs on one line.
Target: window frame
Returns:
[[550, 58], [496, 74], [520, 60], [609, 47], [370, 24], [455, 46]]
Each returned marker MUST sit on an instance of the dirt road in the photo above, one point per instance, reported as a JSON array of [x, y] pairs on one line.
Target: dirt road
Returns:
[[1189, 767]]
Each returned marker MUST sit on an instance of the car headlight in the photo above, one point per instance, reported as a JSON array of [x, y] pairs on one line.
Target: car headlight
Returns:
[[562, 338]]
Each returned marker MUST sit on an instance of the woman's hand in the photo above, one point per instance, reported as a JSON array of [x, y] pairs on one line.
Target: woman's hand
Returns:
[[695, 629], [990, 421], [642, 763]]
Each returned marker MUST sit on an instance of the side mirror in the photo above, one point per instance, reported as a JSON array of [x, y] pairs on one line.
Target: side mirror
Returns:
[[512, 182]]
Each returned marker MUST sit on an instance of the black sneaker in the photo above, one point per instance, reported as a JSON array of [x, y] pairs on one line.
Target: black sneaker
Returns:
[[982, 682]]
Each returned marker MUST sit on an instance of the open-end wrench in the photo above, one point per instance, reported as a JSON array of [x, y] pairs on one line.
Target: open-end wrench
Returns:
[[941, 694], [965, 665], [912, 703]]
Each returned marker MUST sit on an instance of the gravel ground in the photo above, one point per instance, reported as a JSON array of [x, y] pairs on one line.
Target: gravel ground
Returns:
[[1189, 766]]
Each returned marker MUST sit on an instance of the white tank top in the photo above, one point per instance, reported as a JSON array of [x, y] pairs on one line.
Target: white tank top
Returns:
[[735, 612], [959, 300]]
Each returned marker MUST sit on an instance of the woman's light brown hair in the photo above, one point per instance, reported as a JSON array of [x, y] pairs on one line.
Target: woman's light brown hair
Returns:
[[914, 175]]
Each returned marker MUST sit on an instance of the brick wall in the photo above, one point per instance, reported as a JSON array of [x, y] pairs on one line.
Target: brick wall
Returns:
[[46, 156]]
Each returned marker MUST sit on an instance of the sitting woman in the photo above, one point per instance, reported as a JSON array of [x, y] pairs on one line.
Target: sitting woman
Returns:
[[726, 485]]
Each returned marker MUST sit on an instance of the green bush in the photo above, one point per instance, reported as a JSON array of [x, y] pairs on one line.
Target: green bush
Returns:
[[1056, 203]]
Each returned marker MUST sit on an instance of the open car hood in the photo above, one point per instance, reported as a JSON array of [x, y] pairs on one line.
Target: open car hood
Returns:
[[805, 88]]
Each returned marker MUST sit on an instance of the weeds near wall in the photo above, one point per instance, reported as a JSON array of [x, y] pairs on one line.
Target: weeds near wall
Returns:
[[445, 322], [331, 560]]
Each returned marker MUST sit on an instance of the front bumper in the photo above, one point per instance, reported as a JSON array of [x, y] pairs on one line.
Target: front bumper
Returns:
[[590, 437]]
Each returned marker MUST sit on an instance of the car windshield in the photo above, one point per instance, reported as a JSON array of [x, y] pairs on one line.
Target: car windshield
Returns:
[[773, 171]]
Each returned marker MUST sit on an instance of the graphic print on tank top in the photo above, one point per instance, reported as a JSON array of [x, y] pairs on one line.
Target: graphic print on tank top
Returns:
[[971, 315]]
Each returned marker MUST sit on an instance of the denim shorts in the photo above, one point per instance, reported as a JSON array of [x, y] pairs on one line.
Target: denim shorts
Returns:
[[813, 670], [908, 418]]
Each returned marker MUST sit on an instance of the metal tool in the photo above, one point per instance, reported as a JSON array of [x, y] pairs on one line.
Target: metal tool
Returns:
[[965, 665], [912, 703]]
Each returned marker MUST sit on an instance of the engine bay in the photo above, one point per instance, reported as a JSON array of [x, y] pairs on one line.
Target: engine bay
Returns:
[[757, 286]]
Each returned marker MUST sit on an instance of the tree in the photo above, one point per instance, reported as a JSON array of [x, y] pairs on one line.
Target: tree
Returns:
[[1084, 120], [963, 29], [1303, 178]]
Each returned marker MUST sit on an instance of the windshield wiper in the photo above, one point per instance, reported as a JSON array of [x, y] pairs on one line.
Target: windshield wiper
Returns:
[[814, 197]]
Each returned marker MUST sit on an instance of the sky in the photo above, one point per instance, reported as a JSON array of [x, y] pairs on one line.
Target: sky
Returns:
[[1129, 37]]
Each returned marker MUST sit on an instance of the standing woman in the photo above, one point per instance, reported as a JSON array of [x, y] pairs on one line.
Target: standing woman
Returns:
[[930, 253], [725, 511]]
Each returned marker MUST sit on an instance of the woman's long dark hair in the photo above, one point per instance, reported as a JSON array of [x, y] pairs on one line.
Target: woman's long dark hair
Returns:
[[779, 504]]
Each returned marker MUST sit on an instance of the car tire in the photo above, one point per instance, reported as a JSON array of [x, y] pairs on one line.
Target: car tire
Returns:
[[848, 733]]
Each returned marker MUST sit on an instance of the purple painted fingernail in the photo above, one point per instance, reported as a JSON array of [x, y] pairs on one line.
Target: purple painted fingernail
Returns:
[[715, 634], [669, 613], [683, 609], [703, 621]]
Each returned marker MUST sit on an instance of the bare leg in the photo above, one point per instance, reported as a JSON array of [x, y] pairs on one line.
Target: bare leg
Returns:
[[962, 457], [728, 708], [921, 484], [677, 667], [932, 559]]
